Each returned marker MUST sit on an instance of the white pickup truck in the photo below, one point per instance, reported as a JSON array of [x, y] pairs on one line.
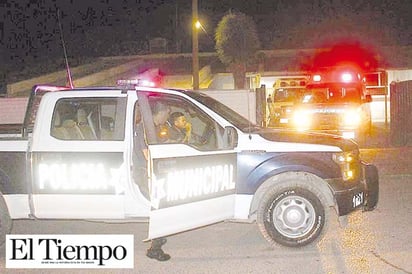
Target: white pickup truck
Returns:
[[95, 153]]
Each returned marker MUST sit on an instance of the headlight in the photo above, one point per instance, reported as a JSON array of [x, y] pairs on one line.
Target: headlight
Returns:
[[288, 110], [348, 163], [352, 117], [302, 119]]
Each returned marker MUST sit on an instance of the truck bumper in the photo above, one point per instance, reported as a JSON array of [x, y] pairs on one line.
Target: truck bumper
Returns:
[[345, 133], [364, 195]]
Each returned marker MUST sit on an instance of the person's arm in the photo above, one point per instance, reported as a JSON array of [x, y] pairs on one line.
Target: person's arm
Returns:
[[188, 132]]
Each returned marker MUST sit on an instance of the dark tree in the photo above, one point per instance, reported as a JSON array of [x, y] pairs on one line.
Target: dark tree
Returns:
[[236, 44]]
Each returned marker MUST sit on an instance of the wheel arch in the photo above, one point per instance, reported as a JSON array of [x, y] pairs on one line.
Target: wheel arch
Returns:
[[319, 164], [313, 181]]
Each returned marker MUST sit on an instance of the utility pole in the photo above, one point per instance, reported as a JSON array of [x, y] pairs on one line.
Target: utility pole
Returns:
[[195, 46], [176, 26]]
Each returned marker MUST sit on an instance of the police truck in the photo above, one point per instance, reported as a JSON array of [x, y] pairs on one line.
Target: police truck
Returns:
[[95, 153]]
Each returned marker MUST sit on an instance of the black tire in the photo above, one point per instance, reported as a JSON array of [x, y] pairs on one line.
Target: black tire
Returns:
[[5, 220], [293, 215]]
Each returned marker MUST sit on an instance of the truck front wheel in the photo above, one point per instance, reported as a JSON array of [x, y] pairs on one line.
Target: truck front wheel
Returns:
[[5, 220], [291, 216]]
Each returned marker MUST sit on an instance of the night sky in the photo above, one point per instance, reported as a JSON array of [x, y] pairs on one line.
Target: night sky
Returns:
[[29, 29]]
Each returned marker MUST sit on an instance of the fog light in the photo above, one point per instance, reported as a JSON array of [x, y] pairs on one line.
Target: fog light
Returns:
[[348, 175], [348, 164]]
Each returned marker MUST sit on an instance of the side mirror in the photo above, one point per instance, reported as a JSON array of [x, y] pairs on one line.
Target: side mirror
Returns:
[[230, 137], [368, 98]]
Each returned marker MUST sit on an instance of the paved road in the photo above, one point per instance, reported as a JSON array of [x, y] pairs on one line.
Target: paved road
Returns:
[[373, 242]]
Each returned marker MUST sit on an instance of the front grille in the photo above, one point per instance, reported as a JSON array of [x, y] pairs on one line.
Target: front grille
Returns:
[[325, 121]]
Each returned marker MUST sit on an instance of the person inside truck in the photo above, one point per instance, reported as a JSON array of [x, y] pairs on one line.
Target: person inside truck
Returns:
[[181, 129], [160, 119]]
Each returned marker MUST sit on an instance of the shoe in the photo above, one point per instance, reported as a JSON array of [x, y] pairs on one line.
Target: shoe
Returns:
[[157, 254]]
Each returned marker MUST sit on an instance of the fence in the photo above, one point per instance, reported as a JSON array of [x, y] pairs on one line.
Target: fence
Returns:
[[261, 106], [401, 113], [3, 84]]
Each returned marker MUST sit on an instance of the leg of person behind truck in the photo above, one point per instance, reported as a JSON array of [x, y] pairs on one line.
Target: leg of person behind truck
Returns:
[[140, 159], [155, 251]]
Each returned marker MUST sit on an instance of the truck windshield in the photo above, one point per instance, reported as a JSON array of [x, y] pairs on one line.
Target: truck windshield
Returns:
[[288, 95], [331, 94], [230, 115]]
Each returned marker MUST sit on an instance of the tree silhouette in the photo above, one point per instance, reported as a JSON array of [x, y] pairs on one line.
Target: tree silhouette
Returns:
[[236, 44]]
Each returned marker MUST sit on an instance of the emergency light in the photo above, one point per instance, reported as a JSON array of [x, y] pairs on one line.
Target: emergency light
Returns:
[[337, 75], [147, 83], [347, 77], [316, 78], [135, 82], [49, 88]]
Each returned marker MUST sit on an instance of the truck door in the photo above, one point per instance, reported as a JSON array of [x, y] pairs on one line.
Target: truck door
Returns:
[[78, 159], [193, 174]]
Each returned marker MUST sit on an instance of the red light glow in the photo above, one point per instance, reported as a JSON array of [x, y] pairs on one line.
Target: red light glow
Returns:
[[147, 83], [317, 78], [347, 77], [363, 57]]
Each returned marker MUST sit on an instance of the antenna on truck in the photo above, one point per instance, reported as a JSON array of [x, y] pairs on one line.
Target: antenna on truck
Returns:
[[69, 74]]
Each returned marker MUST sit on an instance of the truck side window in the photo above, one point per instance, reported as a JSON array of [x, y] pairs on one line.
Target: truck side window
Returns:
[[89, 119], [176, 120]]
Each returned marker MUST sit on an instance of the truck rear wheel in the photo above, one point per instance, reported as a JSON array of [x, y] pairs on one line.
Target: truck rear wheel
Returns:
[[5, 220], [292, 215]]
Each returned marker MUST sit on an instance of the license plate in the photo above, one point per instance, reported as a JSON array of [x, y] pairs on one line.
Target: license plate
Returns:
[[357, 199]]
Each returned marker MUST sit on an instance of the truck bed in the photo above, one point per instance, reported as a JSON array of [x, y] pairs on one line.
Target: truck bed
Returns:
[[11, 131], [12, 112]]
